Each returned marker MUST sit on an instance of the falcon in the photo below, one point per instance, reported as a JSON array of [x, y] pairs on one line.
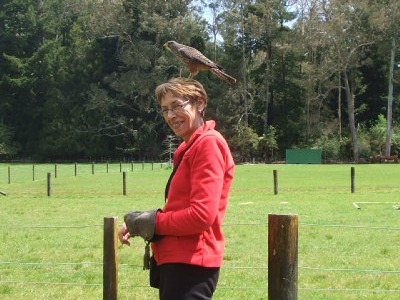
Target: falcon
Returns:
[[196, 61]]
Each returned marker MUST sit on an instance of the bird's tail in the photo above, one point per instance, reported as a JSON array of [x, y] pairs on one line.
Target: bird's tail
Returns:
[[221, 74]]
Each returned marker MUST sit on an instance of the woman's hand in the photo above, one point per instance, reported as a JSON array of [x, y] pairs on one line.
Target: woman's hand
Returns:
[[124, 235]]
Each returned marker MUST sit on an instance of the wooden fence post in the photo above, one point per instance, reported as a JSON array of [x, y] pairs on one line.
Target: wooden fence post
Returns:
[[9, 174], [110, 259], [275, 182], [49, 184], [282, 257], [33, 172], [124, 183], [353, 184]]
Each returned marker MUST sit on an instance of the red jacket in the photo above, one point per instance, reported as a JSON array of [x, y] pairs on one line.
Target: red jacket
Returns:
[[191, 221]]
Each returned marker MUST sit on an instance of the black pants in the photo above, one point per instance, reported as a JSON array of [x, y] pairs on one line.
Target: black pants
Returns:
[[187, 282]]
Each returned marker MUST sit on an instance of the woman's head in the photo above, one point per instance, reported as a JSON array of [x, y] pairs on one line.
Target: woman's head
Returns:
[[183, 103], [185, 88]]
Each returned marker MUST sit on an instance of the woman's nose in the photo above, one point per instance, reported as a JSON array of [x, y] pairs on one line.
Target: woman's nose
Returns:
[[170, 113]]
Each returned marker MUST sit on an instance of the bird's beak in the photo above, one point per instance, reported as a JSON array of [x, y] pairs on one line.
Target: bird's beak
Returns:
[[166, 45]]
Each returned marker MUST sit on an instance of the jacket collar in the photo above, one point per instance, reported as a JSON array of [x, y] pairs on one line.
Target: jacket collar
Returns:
[[208, 125]]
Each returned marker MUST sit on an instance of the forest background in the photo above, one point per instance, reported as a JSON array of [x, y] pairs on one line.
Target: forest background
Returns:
[[77, 77]]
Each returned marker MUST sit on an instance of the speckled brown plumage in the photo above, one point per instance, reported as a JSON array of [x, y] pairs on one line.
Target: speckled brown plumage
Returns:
[[196, 61]]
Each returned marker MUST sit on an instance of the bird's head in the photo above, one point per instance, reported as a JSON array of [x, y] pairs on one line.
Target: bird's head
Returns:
[[170, 45]]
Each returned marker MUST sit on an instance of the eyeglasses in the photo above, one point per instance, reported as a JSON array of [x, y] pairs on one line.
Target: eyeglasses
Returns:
[[175, 109]]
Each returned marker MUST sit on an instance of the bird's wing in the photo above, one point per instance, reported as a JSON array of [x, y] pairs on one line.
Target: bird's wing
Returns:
[[196, 57]]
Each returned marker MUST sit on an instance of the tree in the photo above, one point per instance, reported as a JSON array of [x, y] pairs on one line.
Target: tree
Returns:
[[265, 25], [123, 101], [45, 75], [267, 144], [394, 29], [77, 77], [7, 146], [20, 27], [346, 32], [170, 145]]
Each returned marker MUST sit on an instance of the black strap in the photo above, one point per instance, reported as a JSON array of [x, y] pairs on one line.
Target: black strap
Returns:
[[170, 179], [173, 173]]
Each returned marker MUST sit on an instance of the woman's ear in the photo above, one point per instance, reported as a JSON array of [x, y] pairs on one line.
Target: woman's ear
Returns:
[[201, 105]]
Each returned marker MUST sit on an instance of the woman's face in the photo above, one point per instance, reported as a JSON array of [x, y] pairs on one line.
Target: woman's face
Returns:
[[181, 115]]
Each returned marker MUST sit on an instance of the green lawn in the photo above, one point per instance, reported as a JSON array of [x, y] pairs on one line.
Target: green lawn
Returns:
[[52, 247]]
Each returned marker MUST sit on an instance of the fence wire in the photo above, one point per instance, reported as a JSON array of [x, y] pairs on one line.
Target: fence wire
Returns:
[[223, 267], [221, 287], [225, 225]]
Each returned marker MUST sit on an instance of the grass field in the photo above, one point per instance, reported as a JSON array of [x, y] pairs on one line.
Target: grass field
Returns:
[[52, 247]]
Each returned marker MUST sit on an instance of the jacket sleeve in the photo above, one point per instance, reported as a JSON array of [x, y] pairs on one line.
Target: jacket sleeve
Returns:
[[206, 180]]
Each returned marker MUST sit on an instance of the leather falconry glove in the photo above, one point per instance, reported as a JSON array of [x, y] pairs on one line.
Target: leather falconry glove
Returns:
[[142, 223]]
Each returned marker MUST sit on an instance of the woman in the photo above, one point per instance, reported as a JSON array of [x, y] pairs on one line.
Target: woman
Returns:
[[190, 242]]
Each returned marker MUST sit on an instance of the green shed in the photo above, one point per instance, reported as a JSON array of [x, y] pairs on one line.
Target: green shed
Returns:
[[303, 156]]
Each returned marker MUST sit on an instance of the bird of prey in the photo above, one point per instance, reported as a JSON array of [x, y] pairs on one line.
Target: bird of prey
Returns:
[[196, 61]]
